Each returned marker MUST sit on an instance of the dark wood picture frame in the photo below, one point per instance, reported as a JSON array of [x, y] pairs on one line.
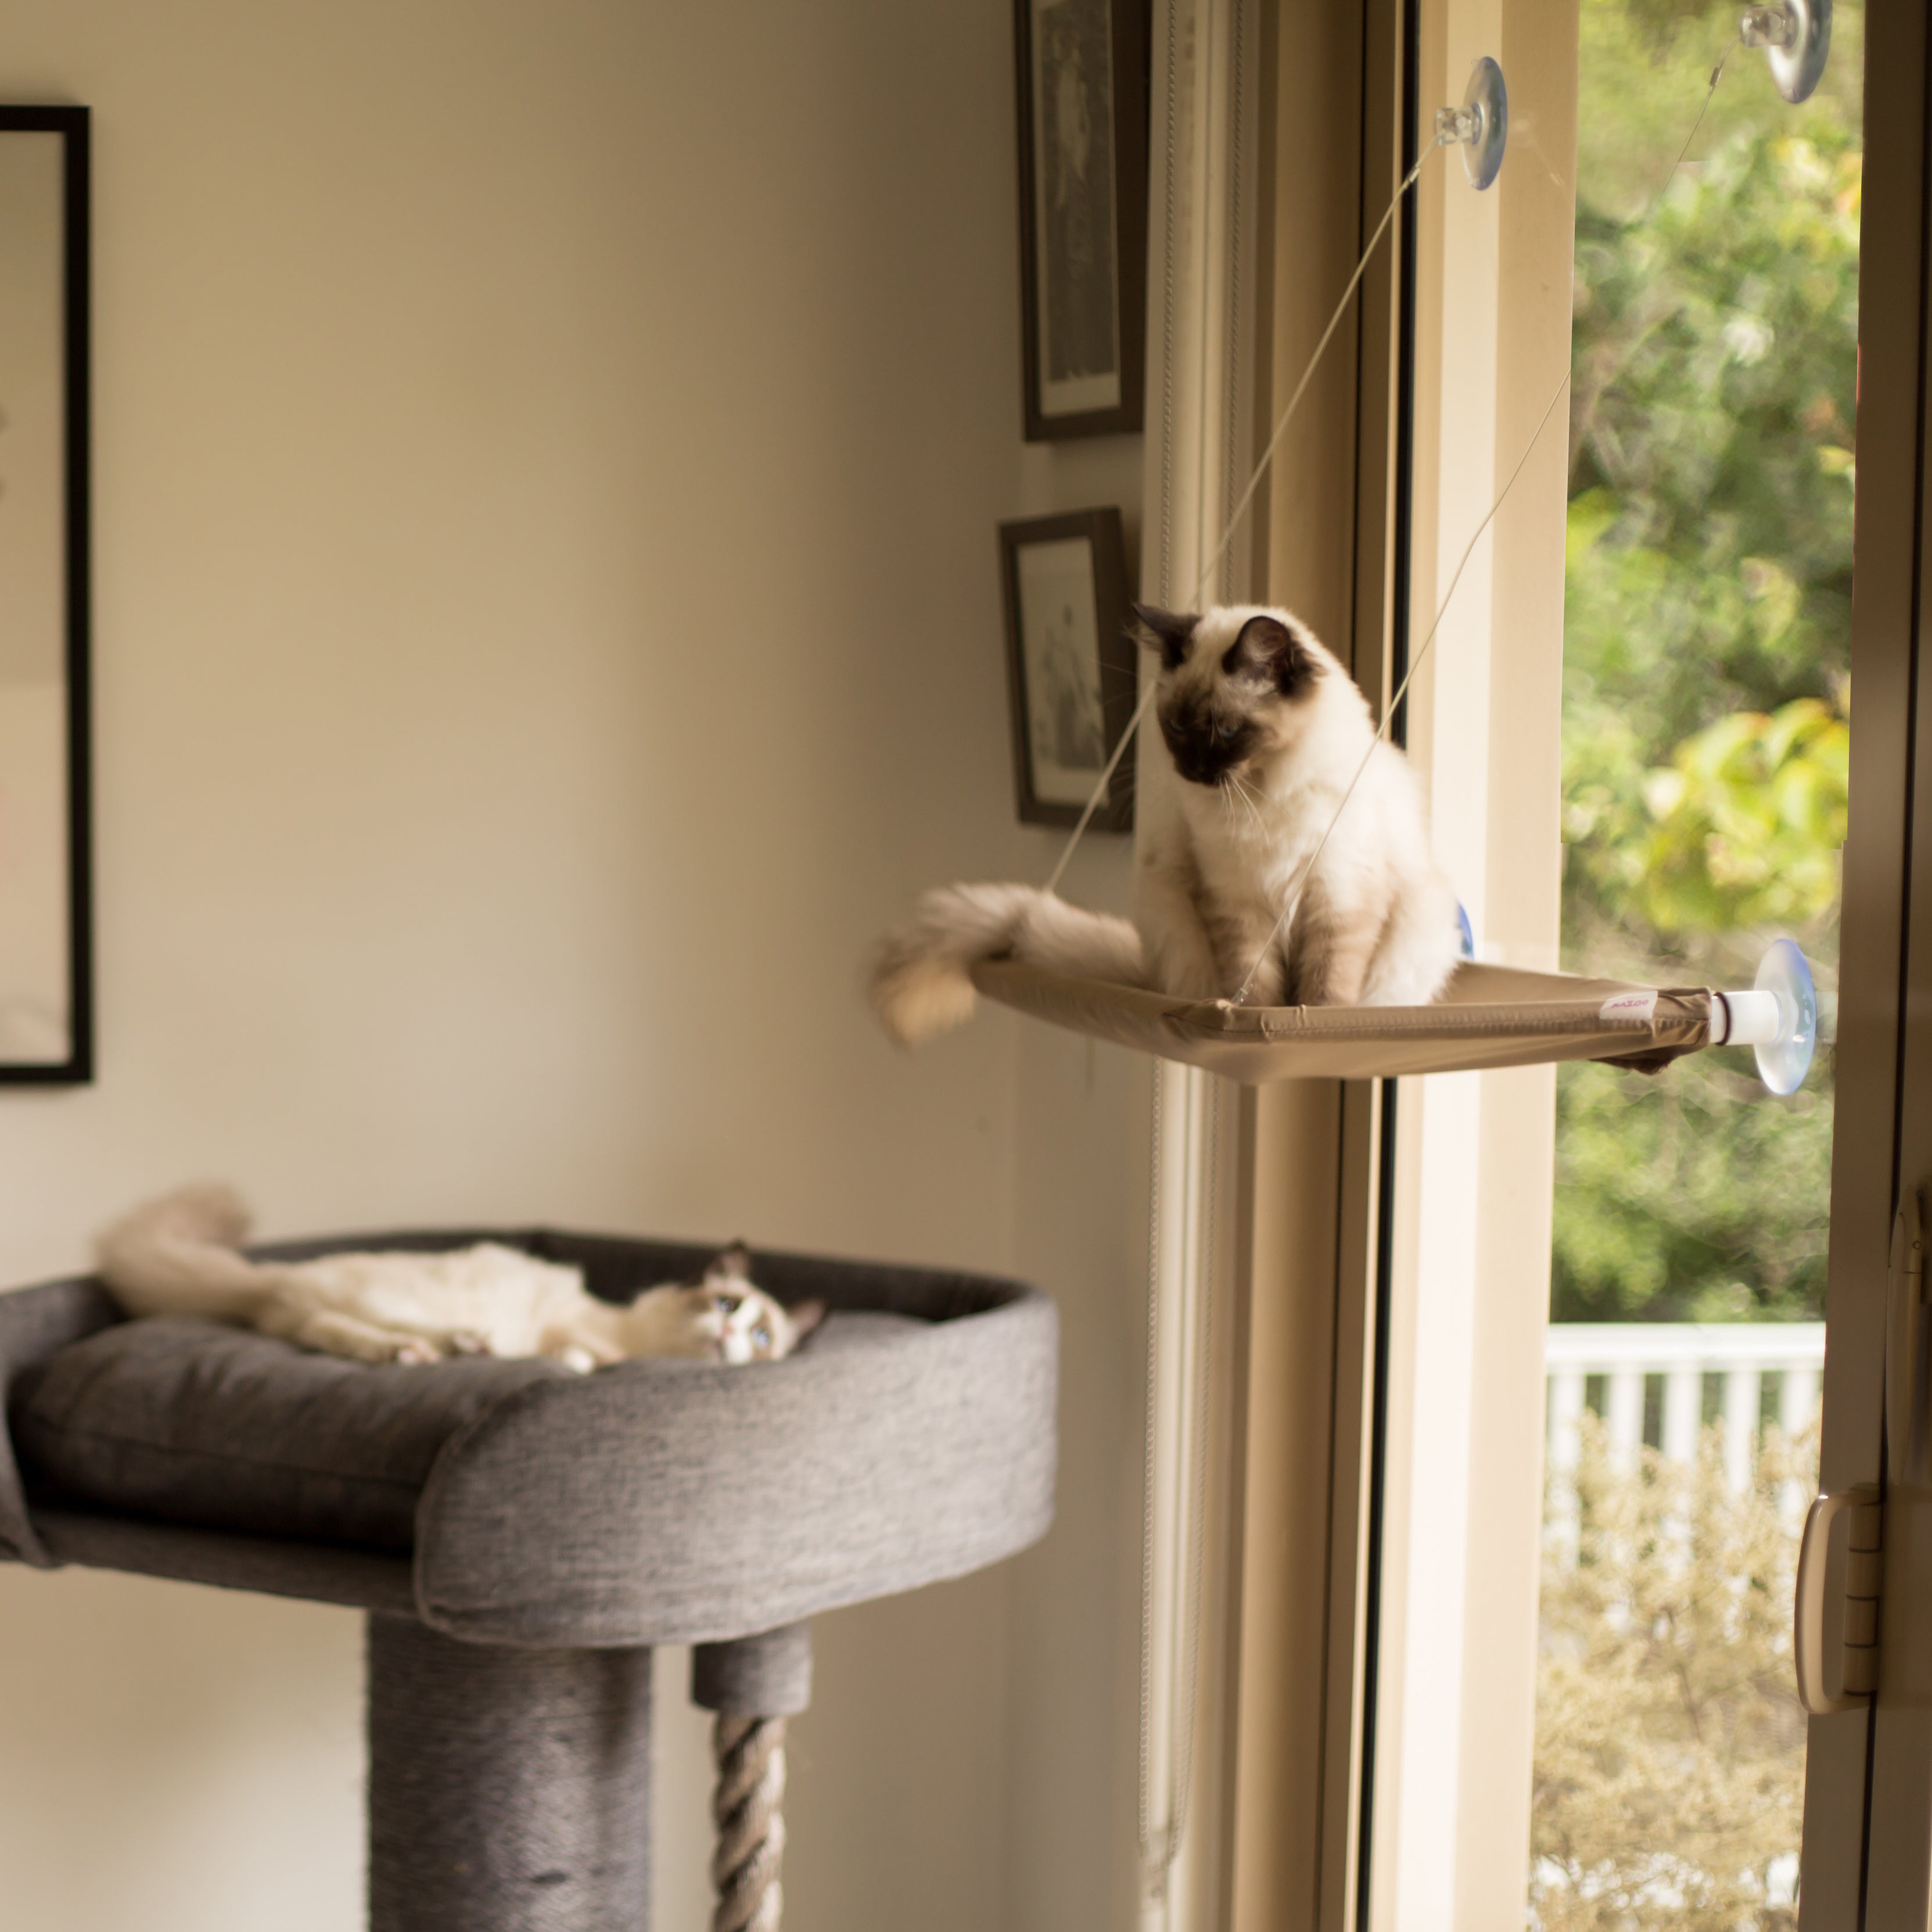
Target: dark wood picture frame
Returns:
[[69, 126], [1053, 683], [1077, 28]]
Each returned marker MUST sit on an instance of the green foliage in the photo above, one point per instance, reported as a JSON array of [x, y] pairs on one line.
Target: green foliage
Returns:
[[1689, 1199], [1741, 830], [1706, 647]]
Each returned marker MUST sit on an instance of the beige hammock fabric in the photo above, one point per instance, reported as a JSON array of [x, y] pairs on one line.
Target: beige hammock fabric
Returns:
[[1489, 1016]]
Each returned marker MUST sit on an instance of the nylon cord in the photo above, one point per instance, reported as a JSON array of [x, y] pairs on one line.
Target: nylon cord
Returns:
[[1394, 704], [1241, 508], [1246, 497], [1300, 880]]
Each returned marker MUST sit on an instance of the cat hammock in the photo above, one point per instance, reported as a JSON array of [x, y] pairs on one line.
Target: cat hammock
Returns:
[[1489, 1016], [520, 1537]]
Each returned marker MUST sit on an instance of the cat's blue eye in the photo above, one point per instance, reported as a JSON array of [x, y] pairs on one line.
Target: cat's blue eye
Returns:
[[762, 1335], [1225, 730]]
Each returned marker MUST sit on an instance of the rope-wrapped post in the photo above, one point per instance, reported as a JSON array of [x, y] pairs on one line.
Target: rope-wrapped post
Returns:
[[747, 1868], [754, 1684]]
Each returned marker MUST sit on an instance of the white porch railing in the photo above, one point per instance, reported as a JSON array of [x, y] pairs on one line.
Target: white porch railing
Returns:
[[1626, 1354]]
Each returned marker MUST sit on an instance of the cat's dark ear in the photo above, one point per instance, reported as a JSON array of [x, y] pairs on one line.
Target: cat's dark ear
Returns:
[[732, 1264], [1269, 651], [805, 1316], [1166, 631]]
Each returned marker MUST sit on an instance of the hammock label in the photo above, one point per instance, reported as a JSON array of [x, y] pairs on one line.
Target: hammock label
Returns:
[[1626, 1007]]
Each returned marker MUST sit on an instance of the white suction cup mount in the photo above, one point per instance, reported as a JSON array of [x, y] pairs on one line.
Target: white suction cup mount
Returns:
[[1778, 1019], [1480, 126], [1796, 37]]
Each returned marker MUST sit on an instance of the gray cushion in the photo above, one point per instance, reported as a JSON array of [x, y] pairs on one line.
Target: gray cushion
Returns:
[[197, 1423]]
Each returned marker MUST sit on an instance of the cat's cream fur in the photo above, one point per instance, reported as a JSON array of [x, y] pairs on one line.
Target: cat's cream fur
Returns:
[[180, 1255], [1264, 733]]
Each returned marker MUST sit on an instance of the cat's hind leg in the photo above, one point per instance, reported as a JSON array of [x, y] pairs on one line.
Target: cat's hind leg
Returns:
[[333, 1333]]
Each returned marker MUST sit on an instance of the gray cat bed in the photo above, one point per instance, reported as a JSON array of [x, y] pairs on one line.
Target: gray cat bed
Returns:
[[520, 1537]]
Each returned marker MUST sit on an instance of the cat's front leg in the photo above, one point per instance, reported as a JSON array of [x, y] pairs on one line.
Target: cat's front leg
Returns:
[[581, 1351], [1254, 963], [1333, 946]]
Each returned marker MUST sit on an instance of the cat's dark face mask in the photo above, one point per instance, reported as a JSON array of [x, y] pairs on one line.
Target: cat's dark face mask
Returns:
[[1215, 716], [1206, 743]]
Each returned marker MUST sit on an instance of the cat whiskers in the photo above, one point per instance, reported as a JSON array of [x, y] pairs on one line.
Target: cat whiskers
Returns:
[[1248, 799]]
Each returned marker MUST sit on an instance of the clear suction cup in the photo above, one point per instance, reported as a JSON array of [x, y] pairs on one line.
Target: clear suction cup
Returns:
[[1796, 37], [1480, 126], [1778, 1018]]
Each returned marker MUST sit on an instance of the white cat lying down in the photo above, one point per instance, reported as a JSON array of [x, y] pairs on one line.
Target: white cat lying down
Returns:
[[179, 1256]]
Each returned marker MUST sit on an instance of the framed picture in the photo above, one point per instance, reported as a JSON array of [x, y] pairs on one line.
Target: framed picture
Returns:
[[1071, 667], [1082, 68], [46, 1017]]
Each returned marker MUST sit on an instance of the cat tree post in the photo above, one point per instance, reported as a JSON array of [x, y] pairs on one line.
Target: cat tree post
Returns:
[[509, 1789]]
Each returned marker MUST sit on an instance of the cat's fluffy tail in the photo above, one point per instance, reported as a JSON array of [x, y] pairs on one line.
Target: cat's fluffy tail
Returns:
[[922, 976], [177, 1255]]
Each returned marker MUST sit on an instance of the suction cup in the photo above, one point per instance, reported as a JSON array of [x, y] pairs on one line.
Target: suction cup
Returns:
[[1480, 126], [1796, 37], [1778, 1019]]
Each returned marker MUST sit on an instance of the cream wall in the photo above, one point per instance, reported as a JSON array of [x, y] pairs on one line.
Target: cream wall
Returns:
[[546, 468]]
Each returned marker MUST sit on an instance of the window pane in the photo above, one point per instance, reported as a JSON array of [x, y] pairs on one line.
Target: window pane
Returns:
[[1706, 717]]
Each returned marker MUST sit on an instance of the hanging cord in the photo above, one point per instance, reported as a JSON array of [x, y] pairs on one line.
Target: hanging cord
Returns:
[[1160, 1847], [1292, 901], [1300, 878], [1246, 497], [1704, 108]]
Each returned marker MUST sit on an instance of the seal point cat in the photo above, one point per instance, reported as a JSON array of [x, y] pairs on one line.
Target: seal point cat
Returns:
[[1276, 793]]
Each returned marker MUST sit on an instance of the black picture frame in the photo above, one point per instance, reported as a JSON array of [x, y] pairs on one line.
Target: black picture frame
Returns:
[[1071, 671], [38, 1063], [1092, 57]]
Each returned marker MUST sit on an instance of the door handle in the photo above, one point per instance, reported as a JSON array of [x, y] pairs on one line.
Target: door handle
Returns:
[[1863, 1564]]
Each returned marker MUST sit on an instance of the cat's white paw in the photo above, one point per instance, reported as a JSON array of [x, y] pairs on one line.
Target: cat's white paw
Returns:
[[467, 1342], [578, 1361], [413, 1350]]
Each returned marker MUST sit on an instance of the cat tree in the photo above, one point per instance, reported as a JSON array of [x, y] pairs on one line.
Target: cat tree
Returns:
[[519, 1538]]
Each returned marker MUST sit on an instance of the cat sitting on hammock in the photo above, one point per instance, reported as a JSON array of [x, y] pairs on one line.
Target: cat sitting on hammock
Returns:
[[1289, 864], [180, 1255]]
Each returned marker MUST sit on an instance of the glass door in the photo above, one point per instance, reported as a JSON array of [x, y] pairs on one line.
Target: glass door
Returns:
[[1603, 1332], [1706, 737]]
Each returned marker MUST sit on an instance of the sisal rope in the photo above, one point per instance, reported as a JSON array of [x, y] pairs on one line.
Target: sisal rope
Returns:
[[745, 1869]]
